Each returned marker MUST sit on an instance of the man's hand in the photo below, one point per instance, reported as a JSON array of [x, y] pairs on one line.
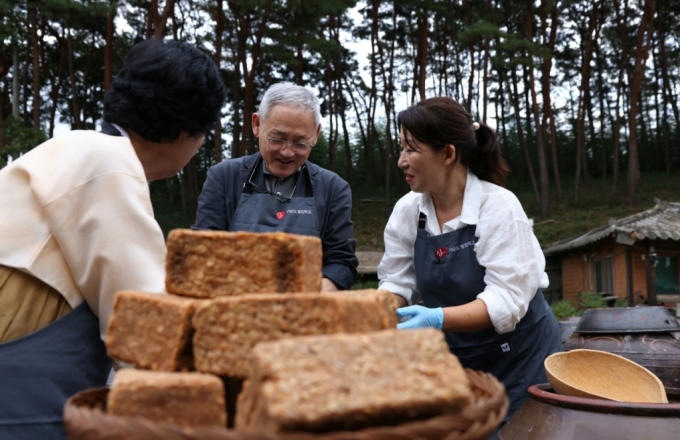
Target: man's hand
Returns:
[[421, 317], [328, 285]]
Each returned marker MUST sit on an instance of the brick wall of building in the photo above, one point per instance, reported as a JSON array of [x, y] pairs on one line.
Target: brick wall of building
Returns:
[[574, 273], [579, 276], [639, 275]]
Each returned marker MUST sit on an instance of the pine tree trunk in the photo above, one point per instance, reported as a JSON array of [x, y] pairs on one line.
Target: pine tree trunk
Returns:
[[109, 45], [581, 159], [642, 47], [485, 82], [74, 97], [171, 190], [621, 20], [162, 20], [238, 54], [16, 74], [349, 172], [55, 86], [667, 95], [388, 81], [151, 18], [356, 111], [33, 21], [219, 28], [548, 116], [299, 69], [247, 138], [332, 130], [472, 61], [423, 25], [520, 134], [501, 81], [540, 144], [600, 87]]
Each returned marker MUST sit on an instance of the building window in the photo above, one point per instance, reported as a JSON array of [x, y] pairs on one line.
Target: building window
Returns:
[[666, 269], [604, 276]]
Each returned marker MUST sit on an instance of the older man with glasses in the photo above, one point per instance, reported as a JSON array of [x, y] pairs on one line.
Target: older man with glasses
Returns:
[[278, 189]]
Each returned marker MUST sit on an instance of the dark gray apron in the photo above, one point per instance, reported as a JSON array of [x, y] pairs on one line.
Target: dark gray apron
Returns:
[[448, 274], [41, 370], [259, 210]]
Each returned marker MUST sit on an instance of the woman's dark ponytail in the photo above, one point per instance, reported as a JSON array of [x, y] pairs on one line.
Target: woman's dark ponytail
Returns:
[[486, 161], [442, 121]]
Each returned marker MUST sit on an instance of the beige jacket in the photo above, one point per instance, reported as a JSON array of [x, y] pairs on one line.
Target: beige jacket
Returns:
[[75, 212]]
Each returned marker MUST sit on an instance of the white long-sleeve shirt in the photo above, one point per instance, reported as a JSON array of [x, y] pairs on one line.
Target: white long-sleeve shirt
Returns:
[[507, 248], [75, 212]]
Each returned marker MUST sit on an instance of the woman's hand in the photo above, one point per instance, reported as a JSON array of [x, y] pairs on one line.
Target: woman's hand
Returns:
[[466, 318], [421, 317]]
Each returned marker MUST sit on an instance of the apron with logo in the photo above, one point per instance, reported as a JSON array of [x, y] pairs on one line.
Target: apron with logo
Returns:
[[448, 274], [41, 370], [259, 210]]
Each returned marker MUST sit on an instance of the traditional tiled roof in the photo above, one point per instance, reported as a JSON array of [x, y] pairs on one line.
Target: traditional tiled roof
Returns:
[[662, 222]]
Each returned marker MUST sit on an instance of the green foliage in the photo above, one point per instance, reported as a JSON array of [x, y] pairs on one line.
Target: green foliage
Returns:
[[621, 302], [564, 309], [18, 139], [368, 284], [589, 300]]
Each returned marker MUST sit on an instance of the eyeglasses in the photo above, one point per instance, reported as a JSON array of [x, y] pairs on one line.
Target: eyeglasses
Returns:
[[259, 189], [296, 147]]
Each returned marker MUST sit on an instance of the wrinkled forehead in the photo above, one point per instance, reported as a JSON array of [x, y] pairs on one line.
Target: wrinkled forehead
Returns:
[[290, 120]]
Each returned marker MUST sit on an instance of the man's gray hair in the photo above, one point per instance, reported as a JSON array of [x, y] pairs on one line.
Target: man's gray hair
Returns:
[[290, 94]]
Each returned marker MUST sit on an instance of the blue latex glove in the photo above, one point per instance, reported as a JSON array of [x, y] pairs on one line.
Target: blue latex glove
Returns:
[[421, 317]]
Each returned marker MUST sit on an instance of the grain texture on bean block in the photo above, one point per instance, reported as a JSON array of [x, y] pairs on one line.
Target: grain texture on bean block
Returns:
[[351, 381], [185, 399], [228, 328], [151, 331], [209, 264]]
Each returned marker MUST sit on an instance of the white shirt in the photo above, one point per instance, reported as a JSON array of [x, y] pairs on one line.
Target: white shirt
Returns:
[[75, 212], [507, 248]]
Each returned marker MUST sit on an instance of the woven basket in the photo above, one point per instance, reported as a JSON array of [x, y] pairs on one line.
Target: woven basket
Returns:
[[85, 418]]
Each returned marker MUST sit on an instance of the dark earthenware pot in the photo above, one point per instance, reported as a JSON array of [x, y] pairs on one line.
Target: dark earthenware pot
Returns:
[[568, 326], [628, 320], [645, 335], [550, 416]]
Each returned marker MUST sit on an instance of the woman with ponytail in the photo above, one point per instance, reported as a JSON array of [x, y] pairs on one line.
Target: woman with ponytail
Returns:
[[461, 245]]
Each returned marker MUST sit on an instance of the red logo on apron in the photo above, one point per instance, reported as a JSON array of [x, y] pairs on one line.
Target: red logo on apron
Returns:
[[440, 252], [280, 215]]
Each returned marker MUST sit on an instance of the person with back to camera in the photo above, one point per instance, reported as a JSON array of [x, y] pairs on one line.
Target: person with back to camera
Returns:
[[278, 189], [463, 244], [77, 226]]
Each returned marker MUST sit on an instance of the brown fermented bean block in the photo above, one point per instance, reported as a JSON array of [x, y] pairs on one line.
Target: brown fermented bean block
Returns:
[[208, 264], [151, 331], [228, 328], [386, 302], [351, 381], [185, 399]]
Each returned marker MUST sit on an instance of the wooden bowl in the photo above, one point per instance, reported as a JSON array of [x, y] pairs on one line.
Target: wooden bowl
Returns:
[[597, 374]]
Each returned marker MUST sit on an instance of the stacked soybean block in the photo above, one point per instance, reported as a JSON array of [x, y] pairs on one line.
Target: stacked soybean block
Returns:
[[385, 300], [209, 264], [185, 399], [351, 381], [151, 331], [227, 329]]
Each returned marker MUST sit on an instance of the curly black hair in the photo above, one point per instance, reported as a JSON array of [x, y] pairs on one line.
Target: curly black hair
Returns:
[[165, 88]]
